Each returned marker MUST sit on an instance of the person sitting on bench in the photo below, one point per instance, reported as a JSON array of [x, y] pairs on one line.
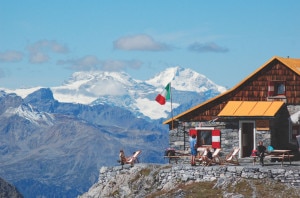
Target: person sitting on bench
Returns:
[[261, 149]]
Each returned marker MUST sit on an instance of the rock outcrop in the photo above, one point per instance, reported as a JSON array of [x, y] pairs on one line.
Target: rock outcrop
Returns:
[[8, 190]]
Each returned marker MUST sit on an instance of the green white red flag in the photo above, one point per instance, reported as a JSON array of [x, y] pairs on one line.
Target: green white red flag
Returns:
[[164, 95]]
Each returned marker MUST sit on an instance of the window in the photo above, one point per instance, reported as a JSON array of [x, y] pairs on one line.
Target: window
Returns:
[[207, 136], [295, 133], [280, 88], [204, 137], [294, 129], [276, 88]]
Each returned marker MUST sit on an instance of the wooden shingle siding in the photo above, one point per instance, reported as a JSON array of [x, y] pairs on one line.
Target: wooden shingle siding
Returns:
[[253, 88]]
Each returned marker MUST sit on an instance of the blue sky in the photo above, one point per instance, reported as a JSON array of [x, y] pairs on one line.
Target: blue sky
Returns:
[[43, 42]]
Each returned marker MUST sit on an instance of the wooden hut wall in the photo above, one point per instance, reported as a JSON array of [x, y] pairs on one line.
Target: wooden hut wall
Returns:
[[254, 89], [208, 111]]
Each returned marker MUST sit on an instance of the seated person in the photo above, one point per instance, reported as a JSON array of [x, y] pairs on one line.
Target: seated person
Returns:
[[207, 156], [127, 160], [261, 149], [122, 158]]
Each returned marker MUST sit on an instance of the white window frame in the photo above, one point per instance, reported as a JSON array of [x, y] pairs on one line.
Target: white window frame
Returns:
[[240, 135]]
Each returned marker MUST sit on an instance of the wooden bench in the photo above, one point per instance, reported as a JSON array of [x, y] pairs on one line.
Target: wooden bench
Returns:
[[177, 155], [172, 158], [282, 157], [176, 158]]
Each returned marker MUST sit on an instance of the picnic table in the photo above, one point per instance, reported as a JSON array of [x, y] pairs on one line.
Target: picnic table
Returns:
[[277, 154], [177, 155], [281, 155]]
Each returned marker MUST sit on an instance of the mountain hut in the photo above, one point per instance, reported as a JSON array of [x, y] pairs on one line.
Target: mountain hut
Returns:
[[264, 106]]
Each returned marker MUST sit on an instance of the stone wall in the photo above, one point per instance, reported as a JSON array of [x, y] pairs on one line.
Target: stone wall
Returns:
[[122, 179], [293, 108], [264, 136], [186, 173], [229, 139]]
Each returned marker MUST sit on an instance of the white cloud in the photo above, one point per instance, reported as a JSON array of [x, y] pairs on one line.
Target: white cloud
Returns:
[[39, 50], [139, 42], [85, 63], [11, 56], [119, 65], [58, 48], [38, 57], [48, 45], [91, 62], [207, 47]]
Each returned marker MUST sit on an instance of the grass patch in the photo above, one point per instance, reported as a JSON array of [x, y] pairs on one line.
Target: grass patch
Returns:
[[246, 187], [145, 172], [193, 190], [142, 173], [241, 187]]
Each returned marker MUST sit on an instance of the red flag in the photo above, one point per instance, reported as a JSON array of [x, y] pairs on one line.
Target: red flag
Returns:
[[164, 95]]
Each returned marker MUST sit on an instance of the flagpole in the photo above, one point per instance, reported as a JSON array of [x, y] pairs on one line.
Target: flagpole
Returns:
[[171, 106]]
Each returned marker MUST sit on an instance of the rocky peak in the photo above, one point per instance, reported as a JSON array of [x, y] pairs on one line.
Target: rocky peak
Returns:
[[8, 190]]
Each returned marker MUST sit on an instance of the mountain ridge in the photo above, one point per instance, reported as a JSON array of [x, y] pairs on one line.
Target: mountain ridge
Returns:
[[119, 89], [55, 148], [60, 146]]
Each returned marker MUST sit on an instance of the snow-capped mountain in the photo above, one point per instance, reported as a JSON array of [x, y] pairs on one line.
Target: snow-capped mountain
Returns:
[[119, 89], [27, 112], [184, 80], [54, 140]]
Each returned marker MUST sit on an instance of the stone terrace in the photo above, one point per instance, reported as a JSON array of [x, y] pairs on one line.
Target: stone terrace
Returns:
[[170, 174], [184, 172]]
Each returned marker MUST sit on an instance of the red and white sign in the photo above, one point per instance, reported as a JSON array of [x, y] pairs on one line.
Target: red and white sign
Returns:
[[216, 138]]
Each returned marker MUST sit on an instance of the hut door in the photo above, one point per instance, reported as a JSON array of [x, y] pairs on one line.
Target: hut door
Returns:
[[247, 138]]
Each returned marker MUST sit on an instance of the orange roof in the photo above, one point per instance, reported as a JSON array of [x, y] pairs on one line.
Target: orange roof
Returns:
[[292, 63], [251, 108]]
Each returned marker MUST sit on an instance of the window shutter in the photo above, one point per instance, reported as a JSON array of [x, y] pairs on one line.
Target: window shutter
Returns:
[[216, 138], [271, 88]]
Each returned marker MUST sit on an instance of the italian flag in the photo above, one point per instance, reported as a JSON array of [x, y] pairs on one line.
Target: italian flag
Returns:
[[164, 95]]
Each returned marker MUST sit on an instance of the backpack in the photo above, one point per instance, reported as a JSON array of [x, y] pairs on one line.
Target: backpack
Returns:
[[270, 148]]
